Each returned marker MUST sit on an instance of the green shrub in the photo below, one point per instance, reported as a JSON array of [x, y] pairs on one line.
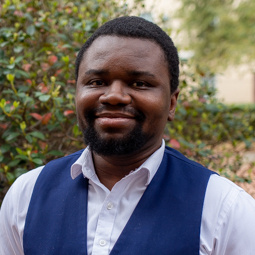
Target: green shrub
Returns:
[[203, 122], [39, 41]]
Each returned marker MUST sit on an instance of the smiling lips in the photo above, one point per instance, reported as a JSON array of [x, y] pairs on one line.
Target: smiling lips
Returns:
[[114, 119]]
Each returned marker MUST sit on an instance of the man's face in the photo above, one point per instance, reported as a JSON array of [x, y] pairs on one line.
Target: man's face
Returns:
[[123, 98]]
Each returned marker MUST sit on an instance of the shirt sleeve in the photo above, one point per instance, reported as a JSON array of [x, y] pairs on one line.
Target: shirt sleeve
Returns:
[[13, 213], [236, 230], [228, 221]]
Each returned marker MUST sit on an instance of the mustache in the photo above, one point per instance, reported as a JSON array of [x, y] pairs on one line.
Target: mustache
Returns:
[[90, 115]]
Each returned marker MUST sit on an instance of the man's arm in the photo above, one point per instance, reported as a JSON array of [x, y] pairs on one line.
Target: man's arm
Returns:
[[13, 213], [236, 231], [228, 221]]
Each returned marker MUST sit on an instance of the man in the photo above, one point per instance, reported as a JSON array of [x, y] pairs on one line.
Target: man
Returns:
[[126, 193]]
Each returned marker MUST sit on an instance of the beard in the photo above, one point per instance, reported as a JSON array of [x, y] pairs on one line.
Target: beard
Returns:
[[128, 144]]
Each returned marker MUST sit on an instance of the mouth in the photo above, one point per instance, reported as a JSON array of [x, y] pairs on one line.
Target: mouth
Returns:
[[116, 120], [115, 115]]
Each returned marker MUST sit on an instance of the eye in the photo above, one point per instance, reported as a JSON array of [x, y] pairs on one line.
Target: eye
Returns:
[[139, 84], [96, 83]]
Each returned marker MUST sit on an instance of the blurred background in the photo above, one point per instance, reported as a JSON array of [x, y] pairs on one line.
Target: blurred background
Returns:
[[215, 119], [218, 36]]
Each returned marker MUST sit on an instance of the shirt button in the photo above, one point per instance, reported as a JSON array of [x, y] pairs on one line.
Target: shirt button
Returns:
[[109, 206], [102, 242]]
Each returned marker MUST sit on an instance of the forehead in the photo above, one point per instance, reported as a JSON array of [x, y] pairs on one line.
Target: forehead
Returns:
[[135, 53], [137, 45]]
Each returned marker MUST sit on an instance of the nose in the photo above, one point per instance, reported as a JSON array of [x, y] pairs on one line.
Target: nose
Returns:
[[116, 93]]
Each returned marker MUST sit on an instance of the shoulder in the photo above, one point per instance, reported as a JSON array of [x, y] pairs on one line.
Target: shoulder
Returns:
[[23, 186], [19, 194], [228, 220], [223, 197], [13, 212]]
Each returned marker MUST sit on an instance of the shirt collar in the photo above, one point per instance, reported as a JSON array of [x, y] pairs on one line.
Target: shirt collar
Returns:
[[84, 164]]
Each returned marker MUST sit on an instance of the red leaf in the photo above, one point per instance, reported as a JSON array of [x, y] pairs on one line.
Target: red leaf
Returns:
[[43, 87], [36, 116], [71, 81], [29, 81], [202, 100], [175, 144], [58, 72], [189, 153], [186, 104], [166, 137], [42, 144], [52, 59], [30, 9], [3, 126], [67, 112], [46, 118], [18, 13], [26, 67], [45, 66]]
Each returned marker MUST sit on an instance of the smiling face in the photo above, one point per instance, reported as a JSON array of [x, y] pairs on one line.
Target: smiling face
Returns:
[[123, 98]]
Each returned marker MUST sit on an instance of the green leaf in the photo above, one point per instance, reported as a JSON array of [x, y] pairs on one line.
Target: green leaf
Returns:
[[18, 49], [76, 130], [20, 74], [23, 157], [38, 134], [29, 138], [10, 77], [2, 103], [18, 59], [19, 171], [23, 125], [5, 148], [11, 136], [10, 177], [21, 94], [56, 153], [14, 162], [44, 98], [37, 161], [30, 30]]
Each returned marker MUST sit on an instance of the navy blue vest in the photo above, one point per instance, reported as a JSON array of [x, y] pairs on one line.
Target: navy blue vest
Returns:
[[166, 220]]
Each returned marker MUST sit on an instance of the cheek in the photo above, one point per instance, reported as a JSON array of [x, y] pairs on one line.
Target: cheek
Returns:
[[84, 100], [156, 116], [157, 107]]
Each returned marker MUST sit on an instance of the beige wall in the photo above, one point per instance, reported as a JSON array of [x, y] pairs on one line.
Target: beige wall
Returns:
[[235, 85]]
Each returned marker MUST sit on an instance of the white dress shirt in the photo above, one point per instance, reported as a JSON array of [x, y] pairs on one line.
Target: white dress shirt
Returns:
[[228, 218]]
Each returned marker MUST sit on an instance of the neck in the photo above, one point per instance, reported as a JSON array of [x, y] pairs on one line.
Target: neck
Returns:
[[111, 169]]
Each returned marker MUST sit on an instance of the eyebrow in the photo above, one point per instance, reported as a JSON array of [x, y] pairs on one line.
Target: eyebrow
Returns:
[[131, 73], [140, 73], [96, 71]]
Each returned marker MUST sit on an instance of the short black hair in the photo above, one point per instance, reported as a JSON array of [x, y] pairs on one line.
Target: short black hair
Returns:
[[137, 27]]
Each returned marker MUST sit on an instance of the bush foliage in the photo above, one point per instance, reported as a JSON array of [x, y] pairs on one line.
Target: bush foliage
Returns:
[[203, 122], [39, 41]]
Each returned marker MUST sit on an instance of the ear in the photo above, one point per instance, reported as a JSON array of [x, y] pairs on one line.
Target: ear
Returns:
[[173, 103]]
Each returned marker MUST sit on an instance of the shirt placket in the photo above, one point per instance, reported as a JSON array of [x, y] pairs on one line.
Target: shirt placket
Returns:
[[105, 225]]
